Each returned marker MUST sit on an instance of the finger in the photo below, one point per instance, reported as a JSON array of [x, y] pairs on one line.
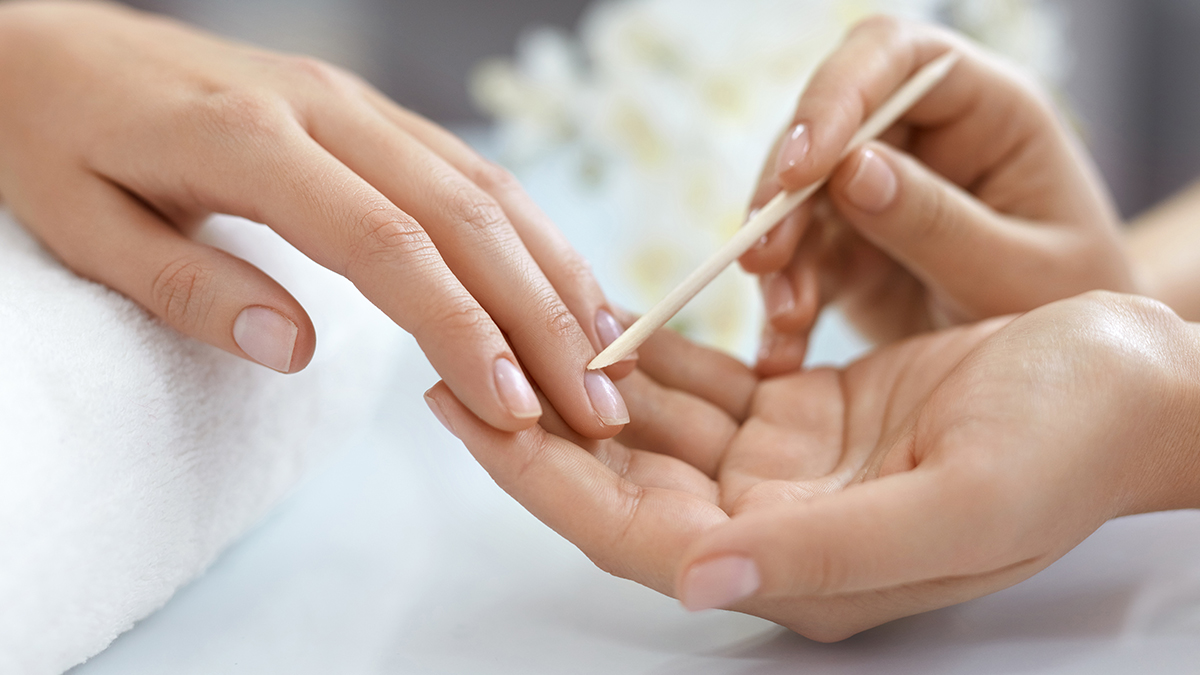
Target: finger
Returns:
[[674, 423], [568, 272], [631, 531], [793, 299], [876, 57], [478, 243], [675, 362], [940, 233], [902, 529], [286, 180], [775, 249], [104, 234]]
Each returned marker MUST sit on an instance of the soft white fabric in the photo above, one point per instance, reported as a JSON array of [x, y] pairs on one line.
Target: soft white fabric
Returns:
[[130, 455]]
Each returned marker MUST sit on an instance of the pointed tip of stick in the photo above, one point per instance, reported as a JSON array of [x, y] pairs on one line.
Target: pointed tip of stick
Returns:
[[603, 360]]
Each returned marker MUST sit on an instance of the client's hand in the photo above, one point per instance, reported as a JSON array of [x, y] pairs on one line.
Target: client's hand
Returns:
[[933, 471], [120, 131], [978, 203]]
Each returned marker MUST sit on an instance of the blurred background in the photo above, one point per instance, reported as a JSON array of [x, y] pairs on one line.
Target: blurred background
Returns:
[[1131, 76]]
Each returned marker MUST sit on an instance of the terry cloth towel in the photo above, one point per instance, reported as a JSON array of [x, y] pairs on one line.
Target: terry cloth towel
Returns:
[[130, 455]]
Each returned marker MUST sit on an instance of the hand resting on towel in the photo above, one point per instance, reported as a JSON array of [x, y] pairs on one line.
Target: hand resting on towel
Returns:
[[120, 131]]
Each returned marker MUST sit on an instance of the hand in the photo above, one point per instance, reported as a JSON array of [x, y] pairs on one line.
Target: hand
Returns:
[[930, 472], [120, 132], [978, 203]]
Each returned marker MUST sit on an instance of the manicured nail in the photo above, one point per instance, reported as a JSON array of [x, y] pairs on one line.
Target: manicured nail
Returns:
[[780, 296], [608, 328], [606, 400], [794, 149], [436, 409], [266, 336], [719, 583], [873, 187], [515, 392]]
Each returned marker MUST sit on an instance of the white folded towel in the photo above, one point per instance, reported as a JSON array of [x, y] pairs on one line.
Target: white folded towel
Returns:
[[130, 455]]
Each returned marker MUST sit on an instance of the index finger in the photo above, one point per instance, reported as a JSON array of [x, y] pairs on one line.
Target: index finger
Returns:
[[633, 531]]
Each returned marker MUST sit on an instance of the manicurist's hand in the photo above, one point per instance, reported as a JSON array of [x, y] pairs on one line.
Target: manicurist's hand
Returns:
[[935, 470], [979, 203], [120, 131]]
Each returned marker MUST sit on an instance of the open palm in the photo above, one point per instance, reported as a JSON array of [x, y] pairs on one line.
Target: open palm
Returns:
[[929, 472]]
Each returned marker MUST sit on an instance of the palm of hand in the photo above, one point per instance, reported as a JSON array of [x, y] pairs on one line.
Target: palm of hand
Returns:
[[928, 473]]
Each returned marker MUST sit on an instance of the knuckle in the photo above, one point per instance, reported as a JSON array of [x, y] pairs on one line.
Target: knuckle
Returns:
[[493, 178], [244, 113], [482, 215], [575, 271], [461, 316], [318, 73], [559, 322], [181, 292], [384, 237]]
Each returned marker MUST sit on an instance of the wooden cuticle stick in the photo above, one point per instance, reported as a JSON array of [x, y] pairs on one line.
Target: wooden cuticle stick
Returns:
[[770, 215]]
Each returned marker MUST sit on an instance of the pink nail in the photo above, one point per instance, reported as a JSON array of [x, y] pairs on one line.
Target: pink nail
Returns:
[[608, 328], [794, 149], [436, 409], [780, 297], [606, 400], [719, 583], [874, 185], [266, 336], [515, 392]]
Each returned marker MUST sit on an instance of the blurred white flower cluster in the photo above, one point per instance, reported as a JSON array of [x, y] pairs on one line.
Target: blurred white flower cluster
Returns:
[[662, 111]]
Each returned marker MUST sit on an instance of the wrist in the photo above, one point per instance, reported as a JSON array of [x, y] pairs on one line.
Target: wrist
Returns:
[[1171, 435]]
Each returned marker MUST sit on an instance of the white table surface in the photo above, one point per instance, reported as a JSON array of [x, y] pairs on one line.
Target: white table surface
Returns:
[[401, 556]]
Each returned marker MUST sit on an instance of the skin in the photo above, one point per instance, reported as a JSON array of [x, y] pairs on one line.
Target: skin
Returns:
[[932, 471], [993, 208], [120, 132]]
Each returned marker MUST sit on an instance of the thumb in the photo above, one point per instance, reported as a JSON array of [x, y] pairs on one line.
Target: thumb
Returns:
[[956, 245]]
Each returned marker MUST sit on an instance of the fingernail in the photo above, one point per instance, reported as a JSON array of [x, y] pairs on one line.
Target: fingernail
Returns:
[[608, 328], [719, 583], [873, 186], [794, 149], [762, 242], [750, 216], [780, 297], [266, 336], [606, 400], [436, 409], [515, 392]]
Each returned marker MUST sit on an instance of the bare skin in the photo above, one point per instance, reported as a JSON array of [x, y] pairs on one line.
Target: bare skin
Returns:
[[121, 131], [932, 471], [978, 203]]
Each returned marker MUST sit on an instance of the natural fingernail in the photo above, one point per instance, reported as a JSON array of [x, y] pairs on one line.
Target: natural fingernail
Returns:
[[762, 242], [436, 409], [606, 400], [266, 336], [608, 328], [515, 391], [873, 187], [794, 149], [780, 296], [750, 216], [719, 583]]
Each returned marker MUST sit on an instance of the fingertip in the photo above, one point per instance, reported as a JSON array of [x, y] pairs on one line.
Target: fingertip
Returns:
[[718, 582], [778, 246]]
